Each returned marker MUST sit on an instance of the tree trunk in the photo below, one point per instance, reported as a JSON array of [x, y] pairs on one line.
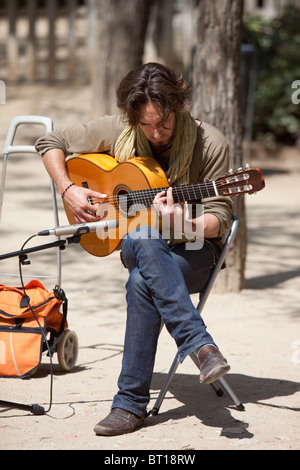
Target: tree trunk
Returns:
[[122, 26], [216, 85]]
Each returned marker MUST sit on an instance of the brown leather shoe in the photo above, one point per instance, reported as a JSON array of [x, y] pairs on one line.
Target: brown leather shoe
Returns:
[[118, 422], [212, 364]]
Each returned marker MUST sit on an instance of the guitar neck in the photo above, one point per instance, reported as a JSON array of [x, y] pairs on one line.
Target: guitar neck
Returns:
[[182, 193]]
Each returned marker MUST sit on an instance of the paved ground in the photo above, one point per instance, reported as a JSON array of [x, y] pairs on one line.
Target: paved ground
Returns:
[[258, 328]]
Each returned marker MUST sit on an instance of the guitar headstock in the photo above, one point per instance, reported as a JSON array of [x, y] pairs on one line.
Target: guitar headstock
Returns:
[[242, 181]]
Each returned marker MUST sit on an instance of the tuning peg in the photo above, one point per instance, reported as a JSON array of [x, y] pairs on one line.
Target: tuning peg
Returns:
[[240, 169], [230, 171], [247, 166]]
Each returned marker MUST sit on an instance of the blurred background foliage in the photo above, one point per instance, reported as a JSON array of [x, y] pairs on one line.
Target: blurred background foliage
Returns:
[[277, 49]]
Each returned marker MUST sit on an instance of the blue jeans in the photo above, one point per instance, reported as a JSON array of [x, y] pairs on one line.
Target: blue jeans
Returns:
[[158, 288]]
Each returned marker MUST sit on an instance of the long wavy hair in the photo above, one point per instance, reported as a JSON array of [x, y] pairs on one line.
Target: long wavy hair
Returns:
[[152, 82]]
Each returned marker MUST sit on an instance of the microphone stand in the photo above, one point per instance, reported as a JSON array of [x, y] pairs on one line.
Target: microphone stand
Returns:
[[35, 408], [58, 243]]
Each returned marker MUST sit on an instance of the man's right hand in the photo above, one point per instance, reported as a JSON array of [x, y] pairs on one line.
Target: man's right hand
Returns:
[[83, 203]]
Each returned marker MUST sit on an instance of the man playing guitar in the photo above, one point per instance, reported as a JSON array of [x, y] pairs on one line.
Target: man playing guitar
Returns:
[[155, 121]]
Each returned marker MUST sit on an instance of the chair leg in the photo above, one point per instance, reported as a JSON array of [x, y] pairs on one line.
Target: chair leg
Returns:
[[165, 387], [219, 391], [239, 405], [220, 387], [224, 387]]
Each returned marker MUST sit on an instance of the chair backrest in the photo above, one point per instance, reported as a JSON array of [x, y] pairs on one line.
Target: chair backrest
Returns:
[[219, 264]]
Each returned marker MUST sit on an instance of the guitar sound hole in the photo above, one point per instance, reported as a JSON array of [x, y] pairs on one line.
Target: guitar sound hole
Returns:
[[126, 204]]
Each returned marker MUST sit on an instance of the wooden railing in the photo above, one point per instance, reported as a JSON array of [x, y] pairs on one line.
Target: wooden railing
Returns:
[[47, 41]]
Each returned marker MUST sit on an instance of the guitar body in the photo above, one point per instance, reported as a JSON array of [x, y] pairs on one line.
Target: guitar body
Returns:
[[102, 173]]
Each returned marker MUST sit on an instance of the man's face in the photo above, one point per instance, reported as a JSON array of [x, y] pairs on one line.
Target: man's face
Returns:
[[158, 133]]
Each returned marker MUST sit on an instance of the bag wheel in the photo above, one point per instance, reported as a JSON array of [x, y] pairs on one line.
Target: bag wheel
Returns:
[[67, 350]]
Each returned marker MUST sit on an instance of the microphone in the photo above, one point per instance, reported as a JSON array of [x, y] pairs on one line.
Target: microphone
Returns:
[[81, 229]]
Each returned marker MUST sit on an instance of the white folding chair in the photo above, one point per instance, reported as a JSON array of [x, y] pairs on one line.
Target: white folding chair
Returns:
[[219, 386]]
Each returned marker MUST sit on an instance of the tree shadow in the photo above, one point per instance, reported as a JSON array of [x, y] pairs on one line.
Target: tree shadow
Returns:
[[271, 280], [201, 401], [107, 351]]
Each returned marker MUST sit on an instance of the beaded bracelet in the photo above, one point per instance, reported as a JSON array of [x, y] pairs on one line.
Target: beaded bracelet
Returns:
[[68, 187]]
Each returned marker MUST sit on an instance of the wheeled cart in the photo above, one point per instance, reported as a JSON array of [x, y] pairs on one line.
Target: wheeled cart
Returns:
[[64, 342]]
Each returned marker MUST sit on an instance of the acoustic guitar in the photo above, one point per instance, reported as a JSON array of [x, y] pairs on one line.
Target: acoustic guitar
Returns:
[[131, 187]]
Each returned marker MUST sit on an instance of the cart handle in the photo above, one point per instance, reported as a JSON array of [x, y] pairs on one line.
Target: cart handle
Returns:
[[15, 122]]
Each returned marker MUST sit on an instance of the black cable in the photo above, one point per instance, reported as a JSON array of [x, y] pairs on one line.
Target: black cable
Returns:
[[37, 320]]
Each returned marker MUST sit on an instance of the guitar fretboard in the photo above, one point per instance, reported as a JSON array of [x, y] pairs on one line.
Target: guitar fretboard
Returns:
[[185, 192]]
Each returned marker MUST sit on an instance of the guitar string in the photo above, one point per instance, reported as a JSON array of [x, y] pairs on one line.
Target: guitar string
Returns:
[[143, 198], [149, 194]]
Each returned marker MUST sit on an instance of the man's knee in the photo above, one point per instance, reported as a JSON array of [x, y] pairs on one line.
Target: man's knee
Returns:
[[132, 241], [136, 283], [144, 232]]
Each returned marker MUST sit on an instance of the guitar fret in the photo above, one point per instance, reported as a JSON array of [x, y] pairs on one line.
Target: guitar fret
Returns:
[[194, 191], [206, 191], [181, 190], [200, 191]]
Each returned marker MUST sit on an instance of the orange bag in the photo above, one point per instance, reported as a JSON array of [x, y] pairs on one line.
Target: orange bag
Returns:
[[21, 336]]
